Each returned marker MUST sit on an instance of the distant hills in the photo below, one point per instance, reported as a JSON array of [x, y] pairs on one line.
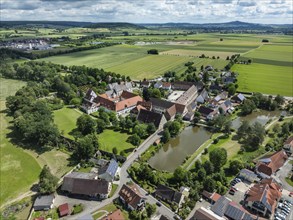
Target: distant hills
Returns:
[[235, 25]]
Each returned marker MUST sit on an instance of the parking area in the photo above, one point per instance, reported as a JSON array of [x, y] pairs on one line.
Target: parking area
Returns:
[[284, 209], [175, 95]]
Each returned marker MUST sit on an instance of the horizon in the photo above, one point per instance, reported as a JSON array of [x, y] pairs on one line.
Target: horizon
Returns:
[[150, 11]]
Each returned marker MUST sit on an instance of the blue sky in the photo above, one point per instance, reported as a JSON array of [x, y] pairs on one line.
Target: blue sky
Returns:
[[150, 11]]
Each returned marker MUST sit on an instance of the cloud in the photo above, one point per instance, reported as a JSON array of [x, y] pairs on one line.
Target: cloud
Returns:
[[144, 11]]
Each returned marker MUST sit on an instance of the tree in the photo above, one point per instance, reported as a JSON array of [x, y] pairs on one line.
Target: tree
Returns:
[[153, 51], [140, 130], [134, 139], [179, 174], [115, 150], [243, 130], [86, 125], [101, 125], [209, 167], [196, 117], [235, 166], [47, 181], [247, 107], [218, 157], [150, 209], [231, 89], [151, 128], [166, 136], [280, 99], [174, 128], [75, 101], [86, 147], [209, 184]]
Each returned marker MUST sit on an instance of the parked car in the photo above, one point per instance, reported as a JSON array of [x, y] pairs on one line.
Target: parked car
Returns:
[[159, 204]]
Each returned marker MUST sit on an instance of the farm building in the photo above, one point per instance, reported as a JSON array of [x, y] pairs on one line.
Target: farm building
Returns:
[[64, 210], [109, 172], [44, 202]]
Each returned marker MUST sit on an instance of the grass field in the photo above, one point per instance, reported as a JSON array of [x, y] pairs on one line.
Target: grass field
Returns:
[[110, 139], [18, 170], [195, 53], [65, 119], [264, 78]]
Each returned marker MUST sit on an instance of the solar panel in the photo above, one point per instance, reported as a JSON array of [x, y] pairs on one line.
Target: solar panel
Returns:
[[112, 168], [264, 201], [234, 212], [220, 206]]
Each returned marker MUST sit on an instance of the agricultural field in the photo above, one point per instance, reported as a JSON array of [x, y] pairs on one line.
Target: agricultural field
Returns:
[[65, 119], [267, 79], [110, 139], [196, 53]]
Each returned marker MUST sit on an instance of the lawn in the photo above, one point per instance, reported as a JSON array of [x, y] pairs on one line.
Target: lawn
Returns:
[[18, 170], [65, 119], [110, 139], [113, 190], [264, 78]]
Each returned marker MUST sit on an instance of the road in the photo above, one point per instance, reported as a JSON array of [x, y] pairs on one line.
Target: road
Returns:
[[124, 178]]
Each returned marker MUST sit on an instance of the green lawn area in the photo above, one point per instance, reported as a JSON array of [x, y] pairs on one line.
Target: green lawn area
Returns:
[[65, 119], [110, 139], [113, 190], [109, 208], [18, 170], [264, 78], [289, 181]]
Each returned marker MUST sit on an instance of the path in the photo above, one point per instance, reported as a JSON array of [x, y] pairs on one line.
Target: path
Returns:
[[22, 196]]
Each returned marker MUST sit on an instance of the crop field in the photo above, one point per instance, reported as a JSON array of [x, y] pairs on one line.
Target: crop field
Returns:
[[65, 119], [18, 170], [195, 53], [110, 139], [264, 78]]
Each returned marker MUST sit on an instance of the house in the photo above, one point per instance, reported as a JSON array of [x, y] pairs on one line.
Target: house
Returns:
[[215, 88], [188, 96], [227, 80], [205, 214], [234, 212], [288, 145], [130, 196], [169, 195], [185, 191], [141, 105], [248, 176], [64, 210], [269, 165], [221, 96], [88, 104], [44, 202], [87, 185], [211, 197], [239, 98], [148, 117], [220, 206], [121, 104], [180, 85], [263, 197], [145, 84], [109, 172], [116, 89], [203, 97], [116, 215], [166, 86], [207, 113], [158, 85]]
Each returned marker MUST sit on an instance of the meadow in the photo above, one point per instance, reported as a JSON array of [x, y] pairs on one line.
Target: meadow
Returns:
[[65, 119]]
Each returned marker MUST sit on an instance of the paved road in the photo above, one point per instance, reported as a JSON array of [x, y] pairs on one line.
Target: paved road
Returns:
[[283, 173], [124, 178]]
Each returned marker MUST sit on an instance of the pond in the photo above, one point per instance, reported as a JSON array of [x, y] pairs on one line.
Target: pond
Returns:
[[173, 153], [260, 116]]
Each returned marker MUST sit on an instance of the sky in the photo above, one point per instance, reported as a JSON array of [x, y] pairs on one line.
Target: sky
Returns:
[[150, 11]]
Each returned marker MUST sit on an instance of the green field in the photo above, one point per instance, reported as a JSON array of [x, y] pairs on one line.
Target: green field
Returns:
[[65, 119], [196, 53], [110, 139], [18, 170], [267, 79]]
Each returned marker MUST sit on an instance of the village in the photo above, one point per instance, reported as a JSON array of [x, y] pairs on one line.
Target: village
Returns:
[[259, 193]]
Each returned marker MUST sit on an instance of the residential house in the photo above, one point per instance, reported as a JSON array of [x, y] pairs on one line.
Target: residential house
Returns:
[[205, 214], [215, 88], [220, 206], [169, 195], [147, 117], [116, 89], [166, 86], [87, 185], [130, 196], [110, 172], [288, 145], [234, 212], [203, 97], [141, 105], [116, 215], [239, 98], [211, 197], [145, 84], [263, 197], [269, 165], [227, 80], [44, 202], [248, 175], [207, 113], [121, 104], [88, 103], [64, 210], [221, 96]]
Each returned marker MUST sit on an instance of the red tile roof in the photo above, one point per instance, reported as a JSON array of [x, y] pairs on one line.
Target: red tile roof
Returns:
[[275, 162], [131, 195], [63, 209], [289, 141], [116, 215]]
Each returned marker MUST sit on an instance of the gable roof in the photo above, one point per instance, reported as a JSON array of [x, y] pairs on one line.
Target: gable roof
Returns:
[[116, 215], [112, 168], [204, 214], [191, 92], [46, 200], [147, 116], [63, 209], [269, 165], [204, 110], [130, 195], [220, 206], [168, 194], [161, 103], [289, 141], [84, 184], [234, 212]]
